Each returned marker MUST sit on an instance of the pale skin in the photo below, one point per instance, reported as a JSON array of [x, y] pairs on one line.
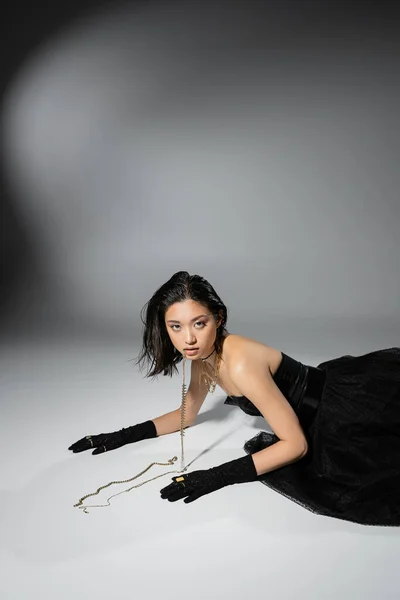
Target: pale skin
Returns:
[[246, 370]]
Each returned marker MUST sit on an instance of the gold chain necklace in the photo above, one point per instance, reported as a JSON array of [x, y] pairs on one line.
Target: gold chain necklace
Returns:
[[171, 461], [211, 383]]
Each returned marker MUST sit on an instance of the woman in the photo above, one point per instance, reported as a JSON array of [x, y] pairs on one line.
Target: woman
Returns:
[[336, 443]]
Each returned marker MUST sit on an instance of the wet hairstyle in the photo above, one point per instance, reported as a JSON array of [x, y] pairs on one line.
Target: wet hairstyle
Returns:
[[157, 350]]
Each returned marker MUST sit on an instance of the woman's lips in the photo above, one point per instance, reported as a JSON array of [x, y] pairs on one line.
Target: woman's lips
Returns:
[[191, 351]]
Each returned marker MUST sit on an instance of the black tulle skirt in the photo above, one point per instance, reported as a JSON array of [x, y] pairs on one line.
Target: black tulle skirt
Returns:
[[352, 468]]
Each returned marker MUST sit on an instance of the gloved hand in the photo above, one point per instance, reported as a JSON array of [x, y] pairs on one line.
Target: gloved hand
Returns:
[[198, 483], [110, 441]]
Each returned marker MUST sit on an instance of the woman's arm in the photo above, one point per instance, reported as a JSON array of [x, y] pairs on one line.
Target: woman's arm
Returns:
[[292, 446], [168, 423], [250, 375], [278, 455], [196, 394], [256, 383]]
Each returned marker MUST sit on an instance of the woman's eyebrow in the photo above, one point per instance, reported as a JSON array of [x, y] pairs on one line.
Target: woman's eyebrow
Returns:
[[195, 319]]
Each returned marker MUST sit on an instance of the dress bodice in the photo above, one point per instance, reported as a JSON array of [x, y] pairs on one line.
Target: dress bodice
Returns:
[[301, 385]]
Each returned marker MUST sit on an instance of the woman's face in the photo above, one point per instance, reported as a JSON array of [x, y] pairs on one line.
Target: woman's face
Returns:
[[190, 325]]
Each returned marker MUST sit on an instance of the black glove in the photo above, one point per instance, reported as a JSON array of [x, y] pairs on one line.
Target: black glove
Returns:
[[109, 441], [197, 484]]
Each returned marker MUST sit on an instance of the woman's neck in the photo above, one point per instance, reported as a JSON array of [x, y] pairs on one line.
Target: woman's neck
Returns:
[[211, 357]]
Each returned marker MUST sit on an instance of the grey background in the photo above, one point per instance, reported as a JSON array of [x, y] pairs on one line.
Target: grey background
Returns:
[[254, 143]]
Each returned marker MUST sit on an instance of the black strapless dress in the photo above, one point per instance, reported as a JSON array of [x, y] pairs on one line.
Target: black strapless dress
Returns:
[[349, 408]]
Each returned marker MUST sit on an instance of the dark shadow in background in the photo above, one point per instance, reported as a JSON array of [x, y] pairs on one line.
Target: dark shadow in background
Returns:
[[26, 26], [17, 254]]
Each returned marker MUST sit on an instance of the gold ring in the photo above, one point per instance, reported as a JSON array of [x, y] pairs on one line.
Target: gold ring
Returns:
[[88, 437], [180, 480]]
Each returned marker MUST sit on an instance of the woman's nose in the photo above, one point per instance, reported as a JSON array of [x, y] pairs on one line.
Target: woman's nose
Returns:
[[190, 338]]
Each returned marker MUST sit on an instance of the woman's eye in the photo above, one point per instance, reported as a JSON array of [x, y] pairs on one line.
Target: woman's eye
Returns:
[[202, 323]]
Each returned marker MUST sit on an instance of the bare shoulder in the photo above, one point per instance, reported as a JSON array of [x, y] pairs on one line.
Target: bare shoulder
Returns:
[[239, 349]]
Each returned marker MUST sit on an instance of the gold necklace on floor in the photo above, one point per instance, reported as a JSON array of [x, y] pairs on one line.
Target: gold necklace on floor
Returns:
[[211, 383], [170, 462]]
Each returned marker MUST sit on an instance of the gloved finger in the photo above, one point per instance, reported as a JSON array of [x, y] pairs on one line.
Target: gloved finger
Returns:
[[172, 487], [192, 497], [174, 490], [84, 443], [100, 450], [110, 443], [174, 496], [181, 478]]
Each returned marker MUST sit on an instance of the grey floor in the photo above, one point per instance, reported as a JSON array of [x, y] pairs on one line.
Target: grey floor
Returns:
[[239, 540]]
